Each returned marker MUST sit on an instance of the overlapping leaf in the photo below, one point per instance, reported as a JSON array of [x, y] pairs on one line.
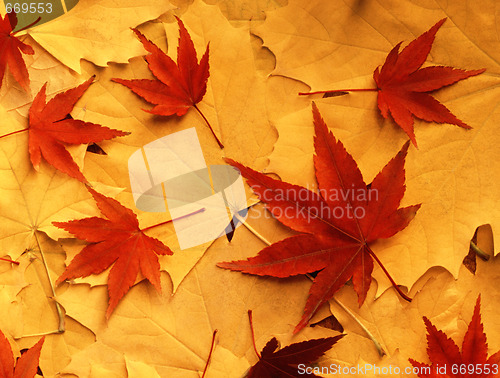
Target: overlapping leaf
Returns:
[[26, 366], [116, 241], [178, 87], [448, 361], [403, 86], [337, 224], [49, 127], [97, 31], [10, 52], [283, 363]]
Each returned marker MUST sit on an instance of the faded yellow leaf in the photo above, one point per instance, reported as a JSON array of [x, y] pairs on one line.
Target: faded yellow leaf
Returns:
[[138, 369], [398, 325], [43, 68], [36, 311], [98, 31], [173, 334], [236, 98], [39, 197]]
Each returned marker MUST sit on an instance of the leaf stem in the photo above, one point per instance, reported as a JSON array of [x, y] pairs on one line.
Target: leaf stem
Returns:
[[379, 348], [483, 255], [28, 26], [252, 230], [174, 219], [338, 91], [9, 260], [60, 314], [12, 133], [253, 334], [374, 256], [209, 354], [221, 146]]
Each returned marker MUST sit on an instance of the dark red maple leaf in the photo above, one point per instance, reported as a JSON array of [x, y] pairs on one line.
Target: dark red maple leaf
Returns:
[[402, 85], [177, 87], [27, 364], [116, 240], [448, 361], [337, 224], [50, 127], [10, 51], [291, 361]]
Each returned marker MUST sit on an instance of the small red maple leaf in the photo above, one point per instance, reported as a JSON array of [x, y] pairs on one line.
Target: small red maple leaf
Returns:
[[337, 224], [284, 363], [402, 85], [446, 359], [50, 126], [27, 364], [177, 87], [10, 51], [116, 240]]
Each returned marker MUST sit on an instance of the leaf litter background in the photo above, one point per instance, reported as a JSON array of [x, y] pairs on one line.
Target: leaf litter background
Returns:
[[262, 54]]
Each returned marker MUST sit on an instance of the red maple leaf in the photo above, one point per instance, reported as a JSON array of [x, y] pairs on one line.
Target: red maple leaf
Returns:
[[177, 87], [116, 240], [446, 359], [27, 364], [402, 85], [10, 51], [50, 126], [337, 224], [291, 361]]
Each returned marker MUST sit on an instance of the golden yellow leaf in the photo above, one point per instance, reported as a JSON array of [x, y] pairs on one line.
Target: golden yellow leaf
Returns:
[[453, 173]]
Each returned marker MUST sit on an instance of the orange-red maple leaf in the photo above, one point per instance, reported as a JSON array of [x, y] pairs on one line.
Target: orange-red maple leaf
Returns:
[[337, 224], [27, 364], [403, 86], [116, 240], [447, 360], [177, 87], [10, 52], [50, 126]]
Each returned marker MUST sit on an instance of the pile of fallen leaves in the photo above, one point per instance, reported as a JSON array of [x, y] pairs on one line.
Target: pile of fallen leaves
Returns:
[[368, 244]]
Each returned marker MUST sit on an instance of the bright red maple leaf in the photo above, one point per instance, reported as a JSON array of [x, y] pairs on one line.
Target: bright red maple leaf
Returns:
[[291, 361], [116, 240], [447, 360], [10, 52], [337, 224], [402, 85], [177, 87], [50, 126], [26, 366]]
